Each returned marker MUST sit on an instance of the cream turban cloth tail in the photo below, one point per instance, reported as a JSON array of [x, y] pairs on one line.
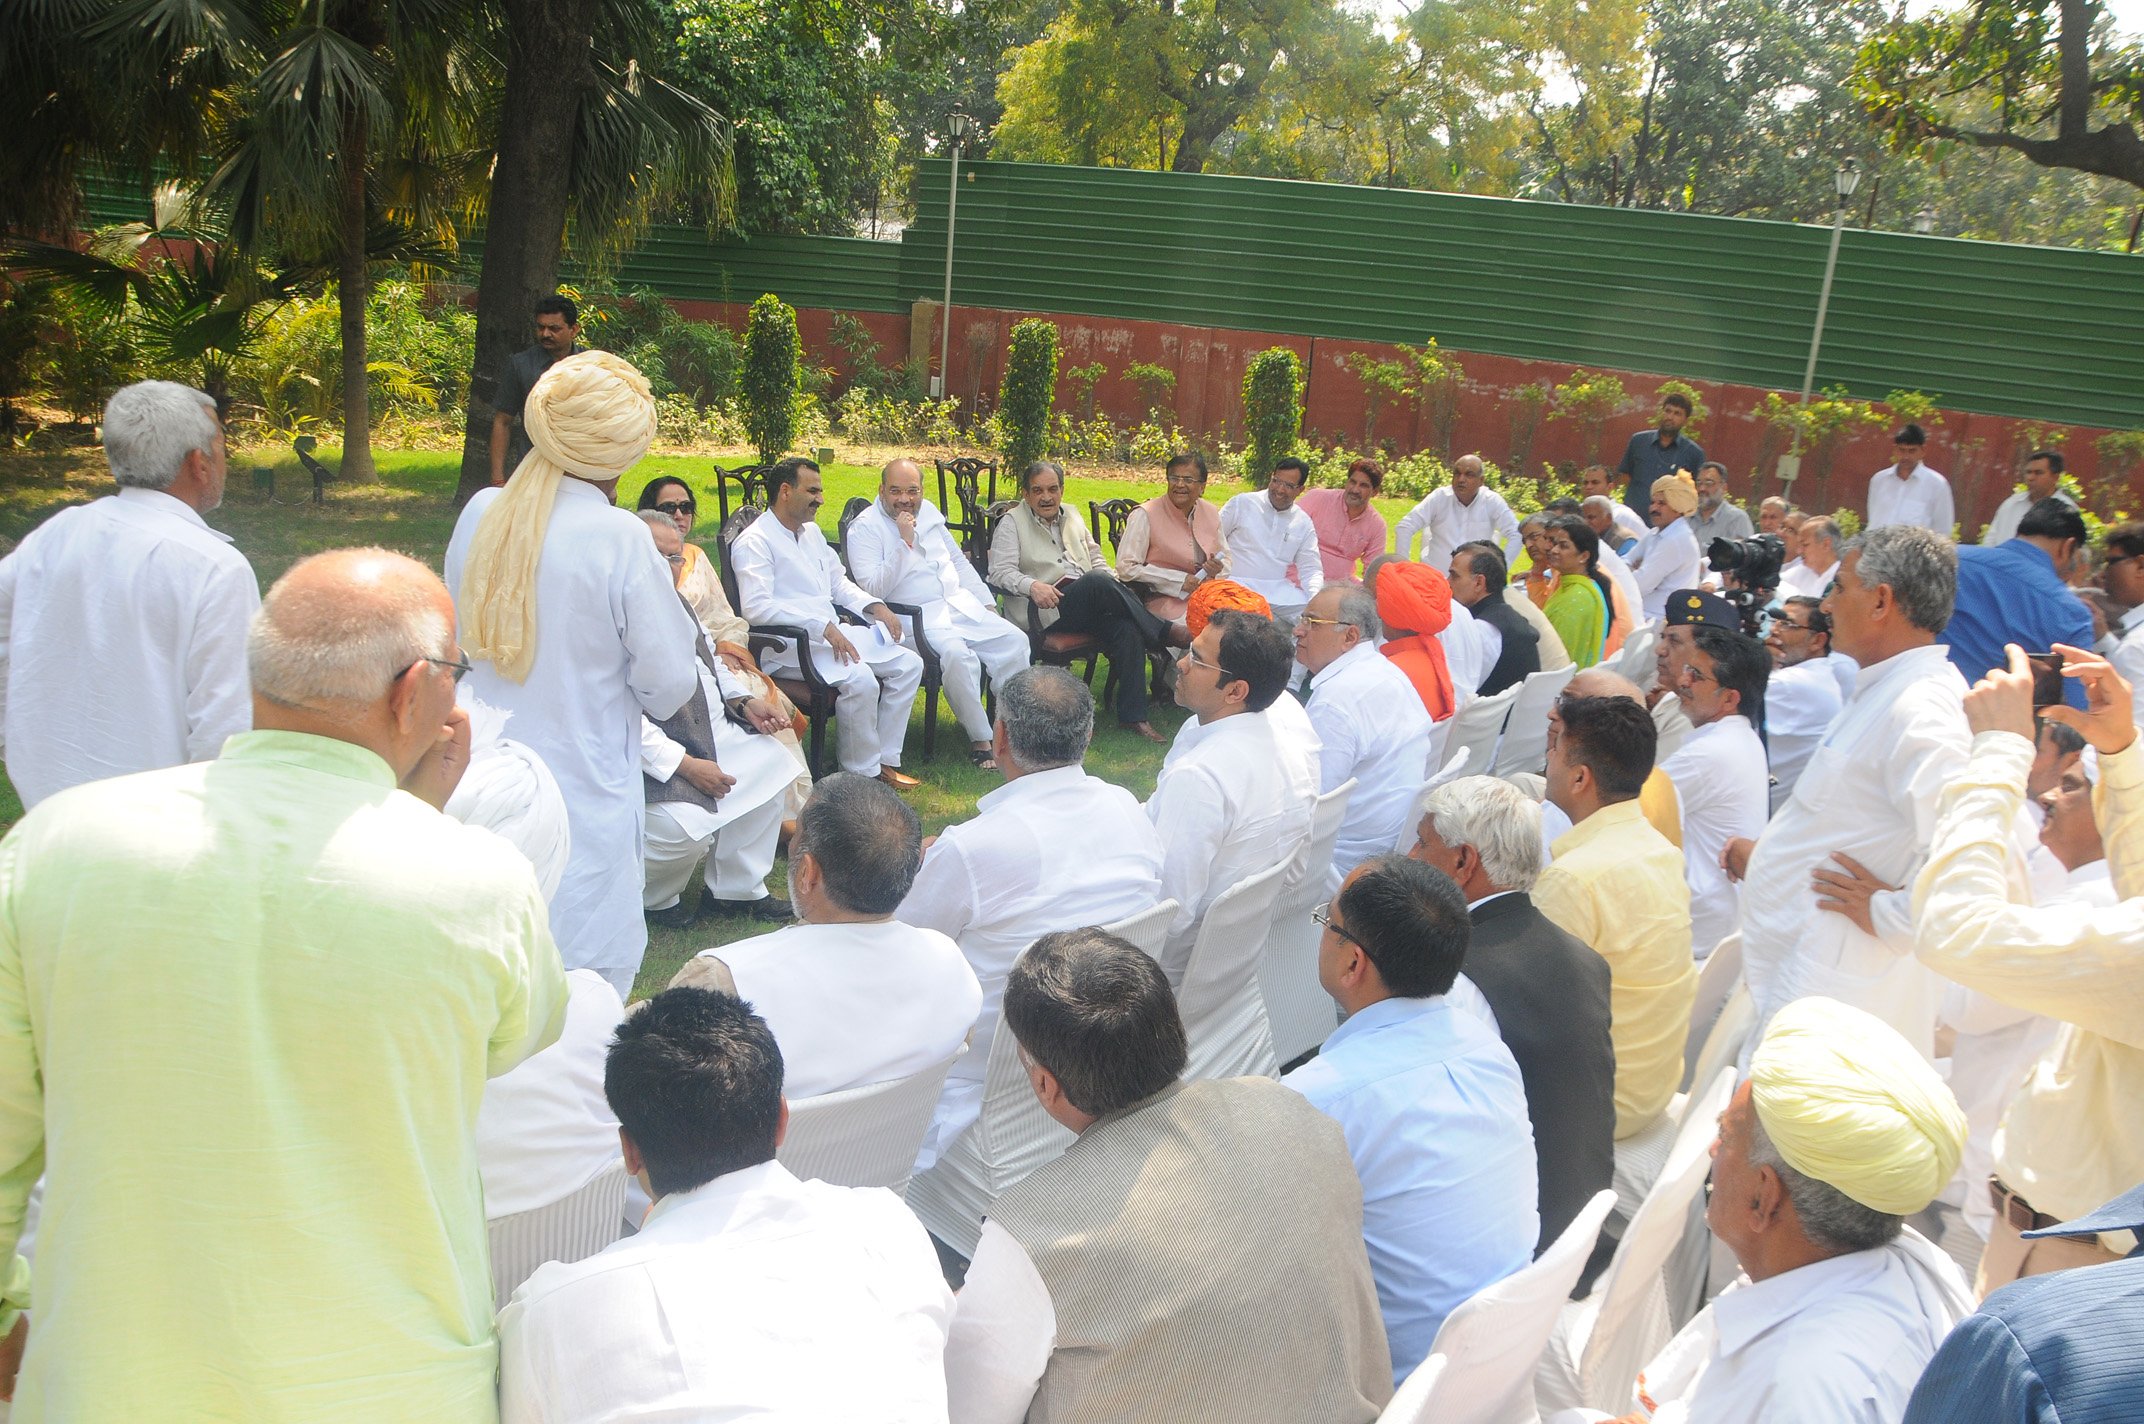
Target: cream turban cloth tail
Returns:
[[1678, 491], [591, 416], [1848, 1101]]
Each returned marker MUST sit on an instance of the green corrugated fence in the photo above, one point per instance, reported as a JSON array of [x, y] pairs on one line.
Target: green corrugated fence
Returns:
[[2039, 332]]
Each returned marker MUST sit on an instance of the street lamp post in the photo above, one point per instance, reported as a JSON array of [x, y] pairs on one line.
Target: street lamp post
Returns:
[[961, 129], [1844, 182]]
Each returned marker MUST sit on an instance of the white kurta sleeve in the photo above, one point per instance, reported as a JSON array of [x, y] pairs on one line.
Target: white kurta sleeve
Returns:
[[942, 897], [1412, 523], [1946, 512], [1336, 741], [1191, 817], [941, 539], [1506, 528], [659, 633], [1309, 567], [878, 559], [219, 690], [660, 755], [771, 589], [843, 589], [1004, 1330], [1923, 760]]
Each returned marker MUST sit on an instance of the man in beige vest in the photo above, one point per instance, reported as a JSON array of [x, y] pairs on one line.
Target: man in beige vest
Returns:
[[1196, 1255]]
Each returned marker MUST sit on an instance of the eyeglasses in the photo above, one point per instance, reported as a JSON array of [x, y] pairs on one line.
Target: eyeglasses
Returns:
[[1322, 917], [1321, 622], [1784, 623], [1186, 480], [675, 558], [2120, 559], [459, 667], [676, 506], [1693, 675], [1192, 657]]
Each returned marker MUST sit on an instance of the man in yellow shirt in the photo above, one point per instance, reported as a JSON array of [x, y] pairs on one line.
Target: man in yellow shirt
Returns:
[[1617, 884], [247, 1008]]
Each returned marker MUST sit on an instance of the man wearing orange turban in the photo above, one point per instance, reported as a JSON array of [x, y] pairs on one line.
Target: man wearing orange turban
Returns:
[[1415, 604], [1214, 595]]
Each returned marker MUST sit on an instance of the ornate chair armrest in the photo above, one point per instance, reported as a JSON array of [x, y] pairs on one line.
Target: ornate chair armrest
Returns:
[[772, 637], [914, 615]]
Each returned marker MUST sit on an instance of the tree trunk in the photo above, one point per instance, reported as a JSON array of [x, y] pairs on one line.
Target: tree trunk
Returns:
[[525, 228], [354, 277]]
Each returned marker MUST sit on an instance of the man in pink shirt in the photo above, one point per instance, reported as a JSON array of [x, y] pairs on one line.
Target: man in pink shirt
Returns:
[[1350, 529]]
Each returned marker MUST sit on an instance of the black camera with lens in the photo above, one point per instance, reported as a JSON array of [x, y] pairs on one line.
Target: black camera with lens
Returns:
[[1753, 564]]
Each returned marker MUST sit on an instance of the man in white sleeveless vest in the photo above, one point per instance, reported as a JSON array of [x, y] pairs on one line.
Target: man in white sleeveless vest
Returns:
[[1196, 1255]]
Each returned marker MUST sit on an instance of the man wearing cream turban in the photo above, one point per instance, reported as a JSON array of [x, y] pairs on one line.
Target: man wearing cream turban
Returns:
[[571, 622], [1841, 1131], [1668, 558]]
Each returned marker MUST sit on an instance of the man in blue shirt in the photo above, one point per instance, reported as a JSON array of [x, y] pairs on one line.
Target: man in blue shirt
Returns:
[[2063, 1348], [1662, 451], [2014, 593], [1429, 1099]]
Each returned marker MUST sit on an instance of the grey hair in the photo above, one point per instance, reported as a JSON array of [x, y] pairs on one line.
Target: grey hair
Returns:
[[151, 427], [1500, 821], [323, 647], [1598, 503], [1829, 1217], [1358, 610], [1773, 501], [656, 519], [867, 840], [1048, 716], [1918, 566], [1824, 527]]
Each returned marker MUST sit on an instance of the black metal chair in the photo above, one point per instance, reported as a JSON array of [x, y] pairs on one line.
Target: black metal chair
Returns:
[[933, 673], [755, 486], [808, 688], [972, 527]]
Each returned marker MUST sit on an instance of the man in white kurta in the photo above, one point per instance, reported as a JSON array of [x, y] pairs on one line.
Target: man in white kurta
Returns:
[[786, 573], [1465, 511], [123, 621], [2043, 480], [746, 1294], [853, 996], [1863, 811], [1719, 773], [1668, 558], [1370, 722], [1803, 696], [1052, 849], [1272, 545], [900, 550], [611, 642], [1910, 491], [1468, 656], [1238, 802]]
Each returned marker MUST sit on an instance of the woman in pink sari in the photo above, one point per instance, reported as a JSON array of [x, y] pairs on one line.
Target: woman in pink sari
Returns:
[[1172, 543]]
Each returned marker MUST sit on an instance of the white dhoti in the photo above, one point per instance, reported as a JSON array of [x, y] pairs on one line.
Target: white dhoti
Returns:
[[970, 640], [873, 696]]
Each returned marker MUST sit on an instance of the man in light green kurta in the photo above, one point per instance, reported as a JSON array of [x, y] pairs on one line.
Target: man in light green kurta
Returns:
[[247, 1008]]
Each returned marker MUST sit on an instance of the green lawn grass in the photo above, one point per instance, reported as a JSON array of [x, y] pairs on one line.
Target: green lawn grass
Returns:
[[411, 509]]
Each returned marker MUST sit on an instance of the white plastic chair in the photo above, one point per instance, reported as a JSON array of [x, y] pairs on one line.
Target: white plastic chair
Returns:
[[1224, 1013], [1717, 976], [1492, 1342], [1012, 1135], [1411, 1404], [864, 1137], [1525, 744], [1476, 728], [1298, 1010], [1636, 660], [1730, 1033], [1601, 1342], [571, 1229]]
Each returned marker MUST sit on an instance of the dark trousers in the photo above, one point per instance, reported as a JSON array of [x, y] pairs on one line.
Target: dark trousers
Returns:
[[1099, 605]]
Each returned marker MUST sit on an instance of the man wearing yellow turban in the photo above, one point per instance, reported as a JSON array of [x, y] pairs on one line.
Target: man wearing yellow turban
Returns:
[[1841, 1131], [1668, 558], [572, 625]]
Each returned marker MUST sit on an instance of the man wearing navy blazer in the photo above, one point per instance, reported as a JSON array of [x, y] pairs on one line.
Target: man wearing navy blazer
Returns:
[[1547, 990]]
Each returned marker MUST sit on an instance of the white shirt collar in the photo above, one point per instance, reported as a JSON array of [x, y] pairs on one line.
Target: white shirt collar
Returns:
[[1741, 1316], [728, 1187], [2132, 620], [157, 501], [1904, 667], [1033, 783], [1473, 905]]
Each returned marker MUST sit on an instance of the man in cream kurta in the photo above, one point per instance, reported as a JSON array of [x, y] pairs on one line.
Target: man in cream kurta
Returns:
[[251, 1079], [123, 621], [613, 643], [900, 550]]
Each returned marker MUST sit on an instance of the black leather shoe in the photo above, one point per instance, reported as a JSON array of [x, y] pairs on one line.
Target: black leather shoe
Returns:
[[677, 917], [767, 907]]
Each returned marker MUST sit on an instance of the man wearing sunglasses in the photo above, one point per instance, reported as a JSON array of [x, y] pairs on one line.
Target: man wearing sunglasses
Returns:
[[1802, 695]]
